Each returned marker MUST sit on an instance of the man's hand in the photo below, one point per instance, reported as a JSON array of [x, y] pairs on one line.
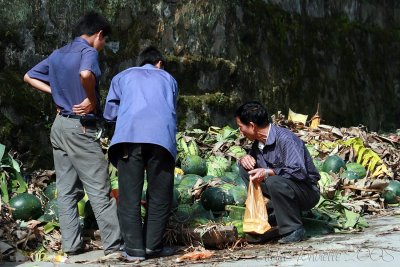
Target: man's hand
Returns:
[[248, 162], [258, 175], [85, 107]]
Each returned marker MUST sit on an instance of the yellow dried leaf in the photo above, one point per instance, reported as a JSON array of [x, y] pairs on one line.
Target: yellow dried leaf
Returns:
[[297, 117], [315, 120]]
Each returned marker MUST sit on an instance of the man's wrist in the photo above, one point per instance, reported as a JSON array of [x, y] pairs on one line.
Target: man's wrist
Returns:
[[266, 174]]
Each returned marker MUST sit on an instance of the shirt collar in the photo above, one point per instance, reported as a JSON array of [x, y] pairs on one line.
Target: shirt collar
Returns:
[[149, 66], [272, 135], [81, 40]]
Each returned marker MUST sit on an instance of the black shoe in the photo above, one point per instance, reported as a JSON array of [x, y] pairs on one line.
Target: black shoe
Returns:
[[164, 252], [75, 252], [270, 234], [293, 237]]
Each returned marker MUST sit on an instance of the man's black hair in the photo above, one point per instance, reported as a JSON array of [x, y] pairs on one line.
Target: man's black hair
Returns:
[[253, 111], [150, 55], [91, 23]]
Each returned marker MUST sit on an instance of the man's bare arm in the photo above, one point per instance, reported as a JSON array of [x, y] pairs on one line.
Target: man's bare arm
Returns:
[[88, 81], [38, 84]]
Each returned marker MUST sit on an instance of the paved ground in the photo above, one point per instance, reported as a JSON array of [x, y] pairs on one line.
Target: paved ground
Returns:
[[378, 245]]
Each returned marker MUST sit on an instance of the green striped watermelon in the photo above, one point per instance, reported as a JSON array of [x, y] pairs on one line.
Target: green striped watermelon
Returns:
[[193, 164], [333, 163], [357, 168]]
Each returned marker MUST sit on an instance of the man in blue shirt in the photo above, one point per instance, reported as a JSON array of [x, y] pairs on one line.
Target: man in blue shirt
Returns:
[[142, 100], [281, 164], [71, 74]]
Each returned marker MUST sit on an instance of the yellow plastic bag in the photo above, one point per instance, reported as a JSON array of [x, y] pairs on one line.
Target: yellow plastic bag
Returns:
[[255, 216]]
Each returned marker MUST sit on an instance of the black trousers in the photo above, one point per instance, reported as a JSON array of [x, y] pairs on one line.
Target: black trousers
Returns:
[[159, 166], [288, 197]]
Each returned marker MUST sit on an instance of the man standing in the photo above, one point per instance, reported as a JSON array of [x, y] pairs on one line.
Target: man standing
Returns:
[[142, 100], [71, 74], [280, 162]]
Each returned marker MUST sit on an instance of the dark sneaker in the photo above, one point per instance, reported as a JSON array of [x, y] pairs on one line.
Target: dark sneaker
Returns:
[[84, 248], [293, 237], [269, 235], [164, 252]]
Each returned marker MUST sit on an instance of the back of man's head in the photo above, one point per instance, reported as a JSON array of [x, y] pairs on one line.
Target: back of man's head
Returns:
[[150, 55], [91, 23], [253, 111]]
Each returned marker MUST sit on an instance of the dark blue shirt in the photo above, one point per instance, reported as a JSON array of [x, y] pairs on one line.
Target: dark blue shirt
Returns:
[[143, 102], [286, 155], [61, 70]]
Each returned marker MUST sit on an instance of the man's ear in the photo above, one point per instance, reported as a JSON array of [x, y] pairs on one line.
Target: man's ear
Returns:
[[100, 34], [159, 65]]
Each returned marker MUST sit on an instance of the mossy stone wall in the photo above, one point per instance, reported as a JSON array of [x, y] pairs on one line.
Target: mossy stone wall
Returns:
[[342, 54]]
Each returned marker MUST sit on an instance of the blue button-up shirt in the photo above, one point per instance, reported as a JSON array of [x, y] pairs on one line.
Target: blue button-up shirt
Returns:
[[142, 100], [61, 71], [286, 155]]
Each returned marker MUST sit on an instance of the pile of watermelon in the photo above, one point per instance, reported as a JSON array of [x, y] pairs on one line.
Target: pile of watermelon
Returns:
[[206, 188]]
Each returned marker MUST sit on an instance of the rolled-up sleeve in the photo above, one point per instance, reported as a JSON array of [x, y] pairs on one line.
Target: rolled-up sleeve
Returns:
[[90, 62], [40, 71], [112, 102]]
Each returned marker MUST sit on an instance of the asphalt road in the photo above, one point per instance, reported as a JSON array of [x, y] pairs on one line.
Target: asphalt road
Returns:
[[377, 246]]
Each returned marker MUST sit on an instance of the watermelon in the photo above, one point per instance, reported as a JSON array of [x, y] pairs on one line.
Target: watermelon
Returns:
[[239, 182], [215, 199], [350, 175], [239, 195], [51, 211], [207, 178], [189, 180], [183, 213], [81, 205], [230, 177], [333, 163], [391, 194], [177, 178], [26, 207], [193, 164], [200, 215], [217, 166], [175, 198], [185, 188], [144, 190], [357, 168], [235, 167], [50, 192]]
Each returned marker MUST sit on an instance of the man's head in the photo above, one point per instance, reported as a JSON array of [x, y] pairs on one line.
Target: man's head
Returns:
[[251, 117], [95, 27], [151, 55]]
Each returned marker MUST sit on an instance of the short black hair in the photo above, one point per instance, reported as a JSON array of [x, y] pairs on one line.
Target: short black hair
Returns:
[[91, 23], [150, 55], [253, 111]]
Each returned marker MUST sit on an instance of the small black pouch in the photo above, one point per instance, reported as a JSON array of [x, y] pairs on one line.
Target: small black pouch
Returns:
[[88, 120]]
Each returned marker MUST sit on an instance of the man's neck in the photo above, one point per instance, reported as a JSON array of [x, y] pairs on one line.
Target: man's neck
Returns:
[[263, 133]]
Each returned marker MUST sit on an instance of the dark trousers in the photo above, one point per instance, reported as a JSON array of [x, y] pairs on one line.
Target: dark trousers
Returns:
[[159, 166], [288, 197]]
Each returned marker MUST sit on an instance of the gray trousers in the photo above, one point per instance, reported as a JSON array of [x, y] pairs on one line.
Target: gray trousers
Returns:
[[80, 164]]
